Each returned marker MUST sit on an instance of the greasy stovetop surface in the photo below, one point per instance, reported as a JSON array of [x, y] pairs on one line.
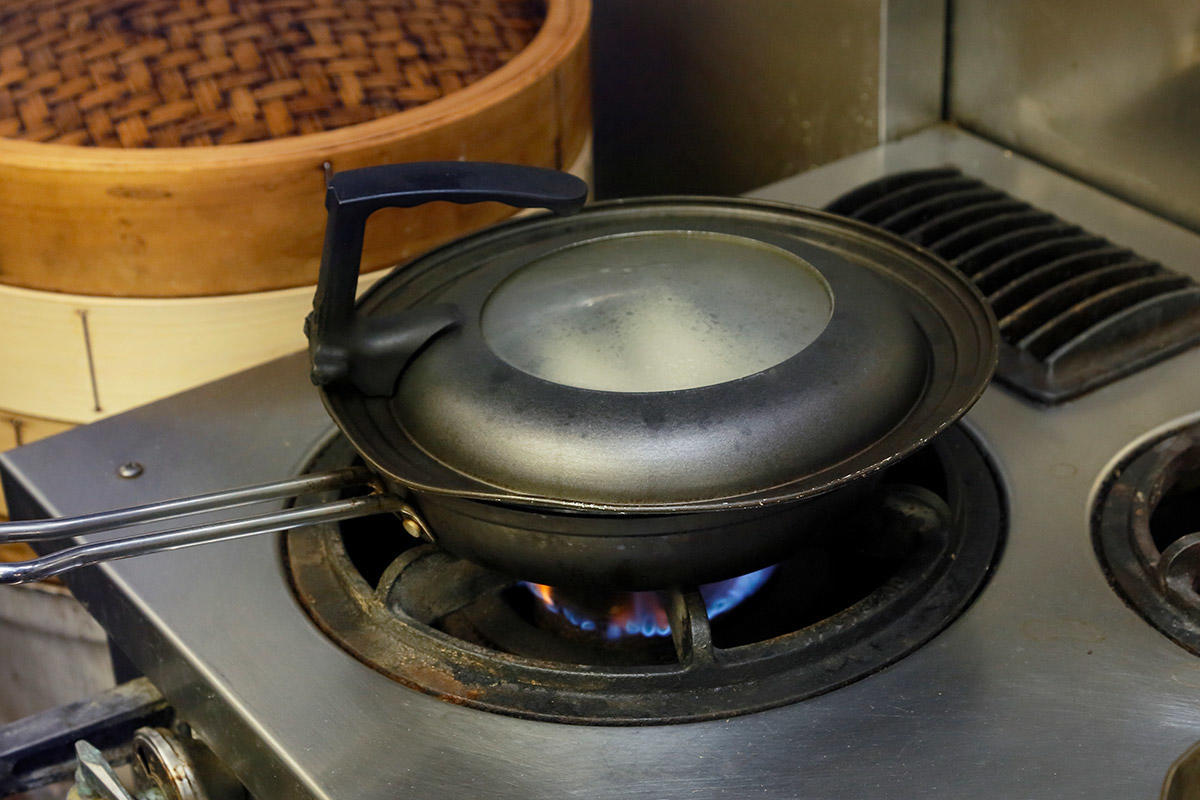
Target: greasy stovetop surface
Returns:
[[1048, 686]]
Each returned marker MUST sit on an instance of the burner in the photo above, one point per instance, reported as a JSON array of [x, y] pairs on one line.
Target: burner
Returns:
[[865, 593], [1147, 534], [615, 615]]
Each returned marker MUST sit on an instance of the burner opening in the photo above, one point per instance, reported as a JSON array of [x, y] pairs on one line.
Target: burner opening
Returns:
[[373, 542], [1146, 532], [923, 468], [860, 594], [570, 625], [1178, 511], [617, 615], [814, 585], [609, 615], [531, 629], [369, 548]]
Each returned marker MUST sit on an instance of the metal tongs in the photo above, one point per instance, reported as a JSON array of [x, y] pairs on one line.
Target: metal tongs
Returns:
[[127, 546]]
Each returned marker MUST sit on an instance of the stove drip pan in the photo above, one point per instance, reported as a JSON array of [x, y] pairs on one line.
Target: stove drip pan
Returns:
[[1146, 531], [871, 590]]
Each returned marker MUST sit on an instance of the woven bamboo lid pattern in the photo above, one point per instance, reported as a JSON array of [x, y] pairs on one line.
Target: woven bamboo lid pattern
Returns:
[[170, 73]]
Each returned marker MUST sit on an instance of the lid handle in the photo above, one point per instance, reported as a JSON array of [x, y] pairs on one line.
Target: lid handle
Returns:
[[371, 354]]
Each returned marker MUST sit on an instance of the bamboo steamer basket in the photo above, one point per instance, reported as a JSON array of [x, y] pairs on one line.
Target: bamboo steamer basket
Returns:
[[249, 217], [80, 358], [131, 273], [70, 358]]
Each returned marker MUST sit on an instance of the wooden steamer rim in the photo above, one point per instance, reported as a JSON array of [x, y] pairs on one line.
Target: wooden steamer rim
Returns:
[[533, 110]]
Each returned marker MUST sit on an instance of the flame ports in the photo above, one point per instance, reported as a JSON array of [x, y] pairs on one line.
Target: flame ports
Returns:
[[617, 615]]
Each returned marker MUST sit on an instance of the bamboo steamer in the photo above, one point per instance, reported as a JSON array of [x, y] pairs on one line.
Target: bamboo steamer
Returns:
[[77, 358], [237, 218]]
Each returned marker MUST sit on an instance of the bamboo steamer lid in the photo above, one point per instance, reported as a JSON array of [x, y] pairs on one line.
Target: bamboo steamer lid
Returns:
[[101, 101]]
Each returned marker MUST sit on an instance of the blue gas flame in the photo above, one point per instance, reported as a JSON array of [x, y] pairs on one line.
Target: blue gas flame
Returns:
[[721, 596], [643, 614]]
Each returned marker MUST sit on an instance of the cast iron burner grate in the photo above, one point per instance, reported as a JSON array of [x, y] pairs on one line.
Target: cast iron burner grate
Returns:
[[1075, 310], [871, 590], [1146, 531]]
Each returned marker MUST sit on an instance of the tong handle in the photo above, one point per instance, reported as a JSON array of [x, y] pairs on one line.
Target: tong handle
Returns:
[[129, 545]]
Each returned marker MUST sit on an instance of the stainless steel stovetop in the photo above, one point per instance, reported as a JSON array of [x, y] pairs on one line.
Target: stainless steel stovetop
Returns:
[[1049, 686]]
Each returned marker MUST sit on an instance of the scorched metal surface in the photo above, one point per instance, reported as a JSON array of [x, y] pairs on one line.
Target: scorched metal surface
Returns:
[[1047, 687]]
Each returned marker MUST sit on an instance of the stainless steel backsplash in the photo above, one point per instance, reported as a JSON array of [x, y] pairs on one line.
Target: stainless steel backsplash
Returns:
[[1108, 91], [719, 96]]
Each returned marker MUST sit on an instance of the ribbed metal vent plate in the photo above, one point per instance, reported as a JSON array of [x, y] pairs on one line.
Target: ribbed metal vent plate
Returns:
[[1076, 311]]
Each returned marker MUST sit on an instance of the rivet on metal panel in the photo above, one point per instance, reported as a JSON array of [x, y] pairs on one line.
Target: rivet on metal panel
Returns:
[[413, 525], [130, 469]]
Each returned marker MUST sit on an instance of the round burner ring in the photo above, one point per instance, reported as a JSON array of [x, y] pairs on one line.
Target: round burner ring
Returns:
[[1155, 574], [955, 540]]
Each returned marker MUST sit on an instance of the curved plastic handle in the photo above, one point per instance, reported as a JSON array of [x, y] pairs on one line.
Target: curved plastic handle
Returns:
[[372, 355]]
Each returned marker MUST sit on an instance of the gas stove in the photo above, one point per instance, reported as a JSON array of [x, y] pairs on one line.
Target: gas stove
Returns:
[[1019, 667], [866, 589]]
